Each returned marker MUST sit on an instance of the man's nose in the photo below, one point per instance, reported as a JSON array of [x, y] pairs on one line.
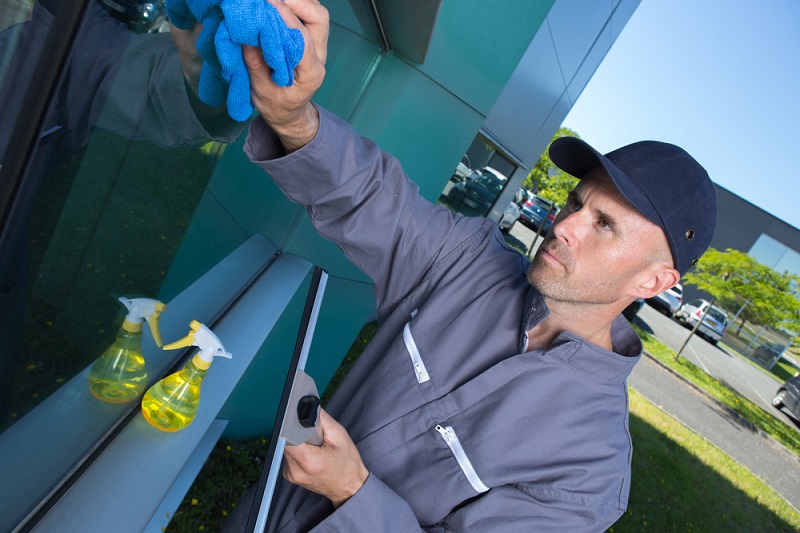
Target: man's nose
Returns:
[[569, 227]]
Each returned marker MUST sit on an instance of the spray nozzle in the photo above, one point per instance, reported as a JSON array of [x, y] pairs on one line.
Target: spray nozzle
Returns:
[[141, 309], [202, 337]]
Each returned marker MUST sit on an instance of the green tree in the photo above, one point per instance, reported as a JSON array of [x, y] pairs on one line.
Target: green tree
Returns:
[[546, 179], [770, 296]]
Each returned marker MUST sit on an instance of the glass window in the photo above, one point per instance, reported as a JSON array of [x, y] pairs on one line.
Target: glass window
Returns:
[[502, 164], [121, 163], [481, 155], [718, 315]]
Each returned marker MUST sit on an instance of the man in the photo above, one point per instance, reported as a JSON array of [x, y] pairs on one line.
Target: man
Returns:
[[493, 397]]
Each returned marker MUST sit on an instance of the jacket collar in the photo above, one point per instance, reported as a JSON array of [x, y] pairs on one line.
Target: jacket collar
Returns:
[[580, 354]]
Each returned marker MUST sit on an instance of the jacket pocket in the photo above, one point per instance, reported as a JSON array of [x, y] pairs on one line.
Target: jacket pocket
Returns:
[[416, 360], [450, 437]]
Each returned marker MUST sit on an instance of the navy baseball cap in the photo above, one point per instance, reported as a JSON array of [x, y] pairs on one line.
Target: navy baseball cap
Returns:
[[660, 180]]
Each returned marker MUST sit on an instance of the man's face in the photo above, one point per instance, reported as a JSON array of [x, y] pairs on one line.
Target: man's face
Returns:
[[599, 247]]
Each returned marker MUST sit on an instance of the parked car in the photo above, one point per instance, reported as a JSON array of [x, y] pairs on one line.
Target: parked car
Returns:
[[714, 324], [633, 309], [509, 217], [462, 170], [669, 301], [140, 17], [538, 211], [512, 211], [789, 396], [476, 194], [767, 354]]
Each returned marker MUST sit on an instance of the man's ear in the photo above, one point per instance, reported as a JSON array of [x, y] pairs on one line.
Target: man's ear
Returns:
[[659, 279]]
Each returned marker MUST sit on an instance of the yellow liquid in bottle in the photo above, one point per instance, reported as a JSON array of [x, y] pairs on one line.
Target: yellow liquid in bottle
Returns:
[[119, 375], [171, 404]]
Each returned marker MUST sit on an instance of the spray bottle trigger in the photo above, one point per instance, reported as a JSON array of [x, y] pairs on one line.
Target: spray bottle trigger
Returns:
[[188, 340], [152, 321]]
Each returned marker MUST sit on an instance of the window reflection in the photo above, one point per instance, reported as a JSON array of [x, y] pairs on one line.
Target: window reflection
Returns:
[[478, 180], [775, 255], [125, 153]]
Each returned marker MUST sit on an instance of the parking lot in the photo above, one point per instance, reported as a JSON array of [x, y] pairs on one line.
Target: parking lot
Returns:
[[746, 377]]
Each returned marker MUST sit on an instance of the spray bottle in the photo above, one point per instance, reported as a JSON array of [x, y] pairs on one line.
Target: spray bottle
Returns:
[[119, 375], [171, 404]]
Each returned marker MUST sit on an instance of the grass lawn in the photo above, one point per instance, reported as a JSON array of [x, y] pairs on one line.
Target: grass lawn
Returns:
[[760, 418], [680, 482]]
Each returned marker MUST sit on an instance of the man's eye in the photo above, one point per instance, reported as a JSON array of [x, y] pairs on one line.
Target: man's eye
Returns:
[[604, 224], [574, 204]]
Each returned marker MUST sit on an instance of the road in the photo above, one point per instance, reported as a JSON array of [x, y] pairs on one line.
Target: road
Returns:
[[522, 237], [747, 378]]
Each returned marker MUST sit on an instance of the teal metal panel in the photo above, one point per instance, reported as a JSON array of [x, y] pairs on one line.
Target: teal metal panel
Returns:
[[251, 197], [346, 307], [351, 63], [308, 244], [476, 45], [418, 121], [353, 15]]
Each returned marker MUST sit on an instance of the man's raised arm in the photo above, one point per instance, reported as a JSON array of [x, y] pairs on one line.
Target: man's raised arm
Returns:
[[288, 110]]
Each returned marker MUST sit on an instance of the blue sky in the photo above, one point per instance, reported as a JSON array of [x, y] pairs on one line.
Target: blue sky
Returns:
[[719, 78]]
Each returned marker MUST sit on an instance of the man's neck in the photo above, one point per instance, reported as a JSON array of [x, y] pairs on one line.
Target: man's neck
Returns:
[[588, 321]]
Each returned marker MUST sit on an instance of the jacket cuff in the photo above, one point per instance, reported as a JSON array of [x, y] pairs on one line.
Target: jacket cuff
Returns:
[[374, 508]]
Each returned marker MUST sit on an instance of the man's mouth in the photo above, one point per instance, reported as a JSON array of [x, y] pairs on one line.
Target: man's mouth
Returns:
[[550, 253]]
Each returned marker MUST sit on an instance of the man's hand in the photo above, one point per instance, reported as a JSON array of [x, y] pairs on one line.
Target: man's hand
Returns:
[[334, 469], [288, 110]]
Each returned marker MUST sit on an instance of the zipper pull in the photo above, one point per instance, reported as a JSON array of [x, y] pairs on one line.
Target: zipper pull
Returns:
[[445, 432], [421, 373]]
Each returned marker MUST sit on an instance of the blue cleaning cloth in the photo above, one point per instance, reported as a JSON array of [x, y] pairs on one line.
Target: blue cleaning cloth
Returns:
[[227, 25]]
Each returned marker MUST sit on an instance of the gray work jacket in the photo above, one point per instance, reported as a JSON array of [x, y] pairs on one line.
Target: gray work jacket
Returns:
[[461, 428]]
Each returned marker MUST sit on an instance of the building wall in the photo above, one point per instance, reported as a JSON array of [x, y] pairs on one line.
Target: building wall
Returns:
[[557, 65], [739, 226]]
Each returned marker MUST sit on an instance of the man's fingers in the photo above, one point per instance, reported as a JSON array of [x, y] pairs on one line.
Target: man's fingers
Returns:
[[254, 60], [317, 20], [312, 20]]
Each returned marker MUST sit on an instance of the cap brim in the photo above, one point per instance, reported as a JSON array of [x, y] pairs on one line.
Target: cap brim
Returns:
[[577, 158]]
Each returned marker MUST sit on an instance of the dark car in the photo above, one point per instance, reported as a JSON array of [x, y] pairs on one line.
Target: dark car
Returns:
[[538, 211], [789, 396], [767, 354], [476, 194], [140, 17], [633, 309]]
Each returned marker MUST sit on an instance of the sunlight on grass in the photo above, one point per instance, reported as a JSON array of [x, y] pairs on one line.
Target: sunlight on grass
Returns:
[[681, 482]]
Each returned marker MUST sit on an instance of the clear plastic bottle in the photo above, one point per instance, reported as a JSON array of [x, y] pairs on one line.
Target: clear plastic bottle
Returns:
[[171, 404], [119, 375]]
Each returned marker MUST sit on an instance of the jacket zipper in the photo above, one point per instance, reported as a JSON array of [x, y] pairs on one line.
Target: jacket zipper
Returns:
[[450, 437], [416, 360]]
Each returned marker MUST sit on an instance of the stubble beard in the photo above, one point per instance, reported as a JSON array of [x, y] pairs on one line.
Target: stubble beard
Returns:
[[556, 283]]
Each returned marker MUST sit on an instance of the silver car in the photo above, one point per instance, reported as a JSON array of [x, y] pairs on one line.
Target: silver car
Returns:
[[669, 301], [714, 324]]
